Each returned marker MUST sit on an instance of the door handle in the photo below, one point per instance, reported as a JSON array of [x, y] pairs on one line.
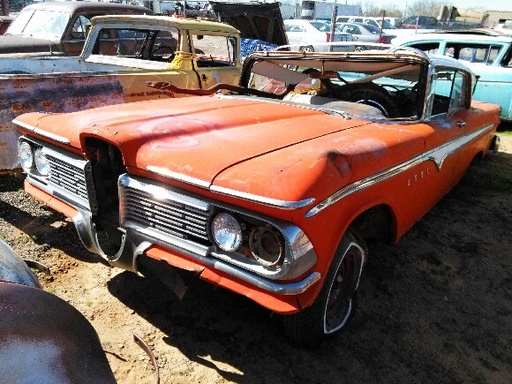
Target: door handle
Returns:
[[461, 124]]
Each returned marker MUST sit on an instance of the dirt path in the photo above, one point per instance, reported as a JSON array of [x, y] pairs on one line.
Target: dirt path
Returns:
[[435, 308]]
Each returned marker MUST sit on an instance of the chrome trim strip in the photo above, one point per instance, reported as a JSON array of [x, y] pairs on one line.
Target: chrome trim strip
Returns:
[[178, 176], [43, 133], [283, 204], [135, 236], [436, 155]]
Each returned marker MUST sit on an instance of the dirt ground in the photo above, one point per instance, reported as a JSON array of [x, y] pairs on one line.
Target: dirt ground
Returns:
[[436, 308]]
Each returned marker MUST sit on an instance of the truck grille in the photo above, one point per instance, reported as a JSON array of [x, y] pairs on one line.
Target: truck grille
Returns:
[[170, 213], [67, 177]]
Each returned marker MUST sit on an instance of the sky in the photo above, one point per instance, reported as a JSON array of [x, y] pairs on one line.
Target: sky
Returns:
[[494, 5]]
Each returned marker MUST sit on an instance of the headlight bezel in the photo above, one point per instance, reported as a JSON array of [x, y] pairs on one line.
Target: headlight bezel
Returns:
[[243, 254]]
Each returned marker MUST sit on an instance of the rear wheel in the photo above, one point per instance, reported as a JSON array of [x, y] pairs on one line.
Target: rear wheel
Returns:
[[336, 302]]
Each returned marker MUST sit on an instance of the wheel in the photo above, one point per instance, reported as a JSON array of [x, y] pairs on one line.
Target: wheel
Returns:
[[336, 302]]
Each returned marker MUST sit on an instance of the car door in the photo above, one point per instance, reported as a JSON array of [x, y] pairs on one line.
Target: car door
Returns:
[[453, 127]]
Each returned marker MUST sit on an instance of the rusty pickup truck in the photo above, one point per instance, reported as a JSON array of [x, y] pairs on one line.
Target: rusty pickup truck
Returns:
[[271, 191], [119, 56]]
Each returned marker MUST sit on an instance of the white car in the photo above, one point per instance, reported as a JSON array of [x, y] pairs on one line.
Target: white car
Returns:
[[305, 36]]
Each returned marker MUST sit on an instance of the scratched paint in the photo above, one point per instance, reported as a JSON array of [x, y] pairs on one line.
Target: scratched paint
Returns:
[[49, 94]]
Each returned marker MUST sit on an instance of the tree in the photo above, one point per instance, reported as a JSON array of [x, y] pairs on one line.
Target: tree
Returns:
[[425, 8]]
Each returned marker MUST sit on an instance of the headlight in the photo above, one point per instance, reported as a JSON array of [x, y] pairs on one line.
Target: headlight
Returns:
[[266, 246], [227, 232], [41, 162], [25, 156]]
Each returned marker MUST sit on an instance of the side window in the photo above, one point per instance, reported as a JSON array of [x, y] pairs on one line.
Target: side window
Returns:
[[80, 28], [474, 53], [507, 60], [214, 51], [428, 48], [449, 92], [135, 43]]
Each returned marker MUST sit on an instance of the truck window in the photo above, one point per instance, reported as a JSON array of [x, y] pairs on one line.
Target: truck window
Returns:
[[136, 43], [214, 51]]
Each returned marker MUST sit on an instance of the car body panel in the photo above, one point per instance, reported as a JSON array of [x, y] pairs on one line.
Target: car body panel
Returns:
[[295, 160]]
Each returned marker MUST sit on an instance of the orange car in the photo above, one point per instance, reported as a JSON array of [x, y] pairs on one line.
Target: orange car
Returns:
[[270, 189]]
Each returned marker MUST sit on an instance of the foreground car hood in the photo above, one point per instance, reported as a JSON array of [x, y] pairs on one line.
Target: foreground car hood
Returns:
[[208, 141]]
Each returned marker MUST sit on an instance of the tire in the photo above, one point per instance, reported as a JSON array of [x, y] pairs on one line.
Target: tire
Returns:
[[335, 305]]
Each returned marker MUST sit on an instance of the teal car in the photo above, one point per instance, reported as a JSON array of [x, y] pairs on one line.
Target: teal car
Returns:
[[488, 56]]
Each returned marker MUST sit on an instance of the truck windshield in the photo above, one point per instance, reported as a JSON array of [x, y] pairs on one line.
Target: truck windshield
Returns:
[[39, 23]]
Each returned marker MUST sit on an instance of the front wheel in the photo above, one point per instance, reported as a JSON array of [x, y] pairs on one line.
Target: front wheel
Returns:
[[336, 302]]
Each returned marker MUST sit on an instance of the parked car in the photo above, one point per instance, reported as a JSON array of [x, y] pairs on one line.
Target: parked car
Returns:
[[365, 33], [122, 52], [5, 21], [420, 22], [488, 56], [272, 189], [378, 22], [305, 35], [59, 27]]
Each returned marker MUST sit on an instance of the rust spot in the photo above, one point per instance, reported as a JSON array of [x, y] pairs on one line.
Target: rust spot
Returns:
[[47, 104], [18, 107]]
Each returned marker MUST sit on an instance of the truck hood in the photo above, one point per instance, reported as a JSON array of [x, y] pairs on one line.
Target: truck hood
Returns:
[[236, 143]]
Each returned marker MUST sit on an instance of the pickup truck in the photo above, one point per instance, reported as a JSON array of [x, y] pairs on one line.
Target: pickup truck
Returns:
[[273, 190], [121, 53], [58, 28]]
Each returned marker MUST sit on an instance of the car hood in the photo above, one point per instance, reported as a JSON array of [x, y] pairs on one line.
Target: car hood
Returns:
[[242, 144], [24, 44]]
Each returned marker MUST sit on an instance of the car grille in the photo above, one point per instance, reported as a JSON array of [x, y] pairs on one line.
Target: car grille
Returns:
[[67, 177], [170, 213]]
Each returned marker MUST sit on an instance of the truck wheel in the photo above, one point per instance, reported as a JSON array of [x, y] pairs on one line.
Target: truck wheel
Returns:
[[336, 302]]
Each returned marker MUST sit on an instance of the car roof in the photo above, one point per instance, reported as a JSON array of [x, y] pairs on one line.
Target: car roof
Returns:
[[462, 37], [185, 23], [73, 6]]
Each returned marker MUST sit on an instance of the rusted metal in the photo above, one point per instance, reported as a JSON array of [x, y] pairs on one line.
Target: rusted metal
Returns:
[[145, 347], [32, 93]]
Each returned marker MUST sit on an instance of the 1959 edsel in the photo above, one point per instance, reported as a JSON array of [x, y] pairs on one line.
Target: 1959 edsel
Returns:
[[271, 190]]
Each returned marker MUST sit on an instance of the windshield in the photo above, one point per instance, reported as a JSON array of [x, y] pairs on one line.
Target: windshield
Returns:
[[39, 23], [386, 89]]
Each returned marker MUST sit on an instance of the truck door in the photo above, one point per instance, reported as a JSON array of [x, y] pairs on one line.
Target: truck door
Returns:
[[217, 59]]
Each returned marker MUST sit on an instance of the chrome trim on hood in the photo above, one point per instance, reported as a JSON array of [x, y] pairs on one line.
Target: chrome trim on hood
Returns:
[[42, 133]]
